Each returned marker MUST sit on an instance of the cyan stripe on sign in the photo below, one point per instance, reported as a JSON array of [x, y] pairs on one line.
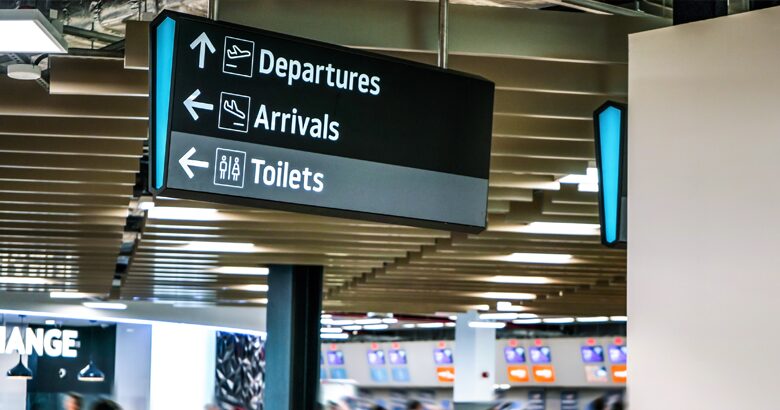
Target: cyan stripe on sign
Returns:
[[609, 134], [162, 77]]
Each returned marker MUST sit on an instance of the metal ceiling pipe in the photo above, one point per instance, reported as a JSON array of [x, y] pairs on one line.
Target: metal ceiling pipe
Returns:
[[593, 6], [443, 28]]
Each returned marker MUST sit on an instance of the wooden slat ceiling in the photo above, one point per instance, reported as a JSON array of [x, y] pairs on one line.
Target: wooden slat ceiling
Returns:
[[68, 162]]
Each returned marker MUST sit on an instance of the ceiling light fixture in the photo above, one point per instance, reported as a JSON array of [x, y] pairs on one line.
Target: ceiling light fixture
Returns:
[[559, 228], [352, 328], [91, 374], [520, 280], [28, 31], [376, 327], [487, 325], [368, 321], [527, 321], [331, 330], [505, 306], [105, 305], [242, 270], [593, 319], [522, 257], [432, 325], [409, 325], [619, 318], [334, 336], [19, 372], [18, 280], [507, 295], [558, 320], [70, 295], [50, 322]]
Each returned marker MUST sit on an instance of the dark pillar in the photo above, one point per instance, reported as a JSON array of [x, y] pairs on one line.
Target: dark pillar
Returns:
[[292, 352], [762, 4], [686, 11]]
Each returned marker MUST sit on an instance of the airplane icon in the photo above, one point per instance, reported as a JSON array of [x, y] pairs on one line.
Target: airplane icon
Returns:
[[231, 106], [238, 57], [235, 52]]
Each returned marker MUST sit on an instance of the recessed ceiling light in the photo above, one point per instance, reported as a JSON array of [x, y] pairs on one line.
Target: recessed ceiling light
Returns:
[[507, 295], [432, 325], [527, 315], [28, 31], [522, 257], [559, 228], [409, 325], [331, 330], [505, 306], [352, 328], [242, 270], [390, 320], [559, 320], [593, 319], [334, 336], [375, 327], [105, 305], [618, 318], [368, 321], [19, 280], [527, 321], [523, 280], [184, 214], [487, 325], [203, 246]]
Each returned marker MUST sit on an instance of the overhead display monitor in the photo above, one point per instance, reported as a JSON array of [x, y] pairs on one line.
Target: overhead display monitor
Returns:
[[540, 354], [401, 374], [611, 135], [618, 354], [443, 356], [596, 374], [379, 374], [376, 357], [336, 358], [592, 354], [514, 354], [397, 356], [244, 116]]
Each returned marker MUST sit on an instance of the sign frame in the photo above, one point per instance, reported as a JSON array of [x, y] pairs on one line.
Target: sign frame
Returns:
[[158, 167]]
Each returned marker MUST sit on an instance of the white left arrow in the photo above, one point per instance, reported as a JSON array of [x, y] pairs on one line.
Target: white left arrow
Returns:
[[191, 105], [186, 162], [203, 42]]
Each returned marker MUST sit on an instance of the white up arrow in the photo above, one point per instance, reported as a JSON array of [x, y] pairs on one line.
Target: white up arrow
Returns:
[[186, 163], [191, 105], [203, 41]]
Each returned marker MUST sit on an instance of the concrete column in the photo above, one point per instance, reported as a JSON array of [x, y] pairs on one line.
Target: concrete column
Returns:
[[475, 363], [704, 138]]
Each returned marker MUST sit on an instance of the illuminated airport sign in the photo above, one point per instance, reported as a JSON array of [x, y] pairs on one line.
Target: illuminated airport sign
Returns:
[[49, 342], [249, 117], [610, 122]]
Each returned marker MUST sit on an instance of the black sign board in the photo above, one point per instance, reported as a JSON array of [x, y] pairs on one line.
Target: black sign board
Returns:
[[245, 116]]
